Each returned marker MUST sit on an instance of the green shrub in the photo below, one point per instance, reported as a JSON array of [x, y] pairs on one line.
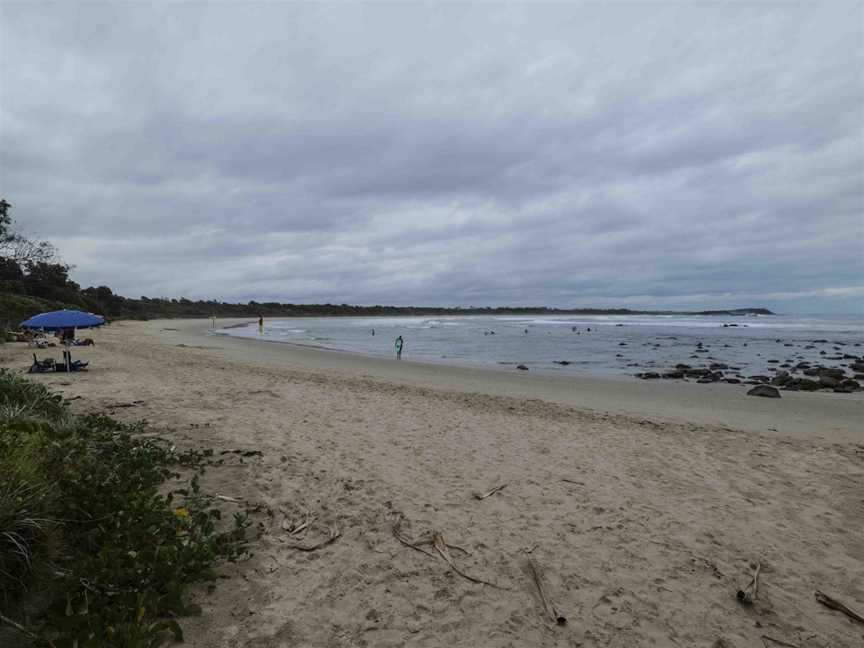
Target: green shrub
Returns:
[[86, 516]]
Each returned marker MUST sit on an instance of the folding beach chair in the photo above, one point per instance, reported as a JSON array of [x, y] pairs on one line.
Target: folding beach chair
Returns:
[[41, 366]]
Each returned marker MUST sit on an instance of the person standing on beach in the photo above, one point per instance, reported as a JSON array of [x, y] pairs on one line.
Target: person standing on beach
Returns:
[[399, 343], [261, 324]]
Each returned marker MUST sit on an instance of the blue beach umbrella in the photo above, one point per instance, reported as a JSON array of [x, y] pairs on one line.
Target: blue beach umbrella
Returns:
[[62, 319]]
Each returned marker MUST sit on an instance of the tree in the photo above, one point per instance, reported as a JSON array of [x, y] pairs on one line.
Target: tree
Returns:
[[24, 251], [5, 222]]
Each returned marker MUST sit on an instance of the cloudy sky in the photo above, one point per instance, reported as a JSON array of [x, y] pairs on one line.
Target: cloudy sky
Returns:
[[567, 155]]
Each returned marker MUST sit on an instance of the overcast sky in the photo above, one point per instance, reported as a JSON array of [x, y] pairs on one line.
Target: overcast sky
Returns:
[[638, 155]]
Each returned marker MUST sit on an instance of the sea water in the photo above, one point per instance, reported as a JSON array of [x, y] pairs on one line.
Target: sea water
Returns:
[[589, 345]]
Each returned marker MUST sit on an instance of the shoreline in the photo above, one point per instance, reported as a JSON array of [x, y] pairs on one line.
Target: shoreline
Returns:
[[816, 415]]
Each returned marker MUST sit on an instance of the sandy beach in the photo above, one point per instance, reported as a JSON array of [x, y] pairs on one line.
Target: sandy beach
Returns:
[[645, 504]]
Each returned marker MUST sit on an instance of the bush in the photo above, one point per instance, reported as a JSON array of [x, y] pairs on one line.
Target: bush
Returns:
[[86, 520]]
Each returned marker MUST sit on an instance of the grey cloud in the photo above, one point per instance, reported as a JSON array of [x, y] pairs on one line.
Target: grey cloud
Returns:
[[443, 154]]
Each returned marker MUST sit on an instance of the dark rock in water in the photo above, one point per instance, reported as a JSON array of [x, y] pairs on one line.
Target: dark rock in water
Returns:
[[849, 356], [805, 384], [828, 381], [732, 381], [759, 378], [787, 344], [682, 367], [781, 379], [648, 375], [820, 341], [764, 391], [833, 372], [848, 386], [705, 381], [857, 366], [858, 376], [834, 357], [715, 366], [622, 344], [673, 375], [811, 372], [701, 350], [823, 353], [696, 373], [618, 355], [773, 361], [522, 367], [809, 346], [563, 363]]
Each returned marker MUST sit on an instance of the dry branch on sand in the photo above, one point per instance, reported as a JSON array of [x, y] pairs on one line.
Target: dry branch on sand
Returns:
[[539, 582], [748, 594], [482, 496], [834, 604], [295, 527], [440, 546], [333, 534], [779, 642]]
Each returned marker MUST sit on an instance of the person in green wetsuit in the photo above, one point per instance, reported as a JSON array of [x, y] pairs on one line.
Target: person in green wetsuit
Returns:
[[399, 343]]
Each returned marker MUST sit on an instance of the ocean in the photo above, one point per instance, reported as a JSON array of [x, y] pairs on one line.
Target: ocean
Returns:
[[610, 346]]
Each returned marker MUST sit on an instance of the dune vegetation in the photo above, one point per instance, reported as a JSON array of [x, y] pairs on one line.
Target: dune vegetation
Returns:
[[102, 529]]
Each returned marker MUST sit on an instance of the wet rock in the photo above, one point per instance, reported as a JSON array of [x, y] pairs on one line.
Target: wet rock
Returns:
[[848, 386], [781, 379], [759, 378], [829, 382], [522, 367], [648, 375], [563, 363], [857, 366], [805, 384], [682, 367], [673, 375], [765, 391], [717, 366], [732, 381], [832, 372]]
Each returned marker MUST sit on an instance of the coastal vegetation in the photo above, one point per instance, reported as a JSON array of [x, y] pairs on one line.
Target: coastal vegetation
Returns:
[[102, 530], [34, 279]]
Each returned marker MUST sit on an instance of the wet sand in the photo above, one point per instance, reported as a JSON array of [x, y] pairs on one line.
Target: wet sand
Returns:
[[645, 503]]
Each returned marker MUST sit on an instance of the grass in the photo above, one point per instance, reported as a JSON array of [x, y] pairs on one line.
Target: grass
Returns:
[[96, 548]]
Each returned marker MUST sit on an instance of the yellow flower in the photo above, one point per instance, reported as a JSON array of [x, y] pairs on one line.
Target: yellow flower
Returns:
[[181, 512]]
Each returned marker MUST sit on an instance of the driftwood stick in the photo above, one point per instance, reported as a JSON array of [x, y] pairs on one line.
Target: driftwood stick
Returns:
[[834, 604], [482, 496], [748, 594], [779, 642], [440, 546], [332, 536], [397, 533], [18, 627], [554, 613]]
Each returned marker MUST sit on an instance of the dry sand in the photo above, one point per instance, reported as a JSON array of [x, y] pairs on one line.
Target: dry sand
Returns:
[[644, 504]]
